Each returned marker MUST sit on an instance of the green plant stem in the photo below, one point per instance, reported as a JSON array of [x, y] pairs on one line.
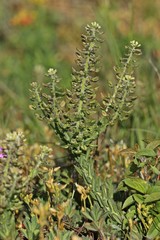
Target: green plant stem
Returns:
[[83, 84]]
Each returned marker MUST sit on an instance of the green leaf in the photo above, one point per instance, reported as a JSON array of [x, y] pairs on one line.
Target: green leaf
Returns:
[[154, 230], [121, 187], [132, 199], [32, 228], [147, 152], [155, 170], [138, 198], [7, 226], [87, 215], [136, 233], [153, 189], [131, 213], [137, 184], [90, 227], [152, 197], [154, 144], [129, 201], [157, 206]]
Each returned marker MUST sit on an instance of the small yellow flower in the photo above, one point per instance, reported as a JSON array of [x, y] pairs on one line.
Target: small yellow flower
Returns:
[[84, 194], [28, 198]]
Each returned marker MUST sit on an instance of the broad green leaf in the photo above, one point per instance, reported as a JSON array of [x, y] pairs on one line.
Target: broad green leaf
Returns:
[[129, 201], [155, 196], [137, 184], [154, 230], [147, 152], [153, 144], [138, 198], [153, 189]]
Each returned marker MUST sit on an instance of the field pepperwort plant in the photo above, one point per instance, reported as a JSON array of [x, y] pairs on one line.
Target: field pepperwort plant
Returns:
[[40, 200]]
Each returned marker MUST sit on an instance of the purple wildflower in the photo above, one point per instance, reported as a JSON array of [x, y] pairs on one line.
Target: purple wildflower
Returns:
[[2, 154]]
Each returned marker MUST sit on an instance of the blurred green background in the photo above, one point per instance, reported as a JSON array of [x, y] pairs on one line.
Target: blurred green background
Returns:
[[38, 34]]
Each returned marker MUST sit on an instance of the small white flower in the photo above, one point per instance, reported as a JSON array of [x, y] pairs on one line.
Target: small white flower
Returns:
[[52, 71]]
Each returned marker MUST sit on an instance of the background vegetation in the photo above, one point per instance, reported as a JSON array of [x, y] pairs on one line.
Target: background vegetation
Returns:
[[36, 35]]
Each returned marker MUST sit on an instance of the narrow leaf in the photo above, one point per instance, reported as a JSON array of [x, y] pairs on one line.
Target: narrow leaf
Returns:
[[90, 227], [87, 215]]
